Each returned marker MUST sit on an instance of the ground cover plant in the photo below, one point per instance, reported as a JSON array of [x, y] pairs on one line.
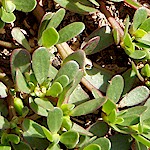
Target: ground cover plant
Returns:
[[54, 96]]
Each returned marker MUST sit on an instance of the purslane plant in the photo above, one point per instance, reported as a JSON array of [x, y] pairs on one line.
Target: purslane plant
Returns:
[[7, 8]]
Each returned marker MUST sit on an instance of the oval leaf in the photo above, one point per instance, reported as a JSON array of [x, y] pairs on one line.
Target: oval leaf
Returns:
[[92, 147], [134, 97], [115, 88], [49, 37], [20, 38], [138, 54], [54, 119], [88, 107], [22, 146], [25, 6], [145, 25], [40, 64], [70, 31]]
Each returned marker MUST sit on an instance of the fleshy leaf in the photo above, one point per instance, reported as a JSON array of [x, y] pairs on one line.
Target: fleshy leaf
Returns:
[[145, 25], [57, 18], [145, 39], [27, 6], [138, 54], [49, 37], [3, 90], [115, 88], [88, 107], [139, 17], [134, 97], [20, 59], [40, 64], [20, 38], [54, 119], [73, 137], [70, 31], [92, 147], [21, 83], [22, 146], [9, 6], [5, 147], [75, 6]]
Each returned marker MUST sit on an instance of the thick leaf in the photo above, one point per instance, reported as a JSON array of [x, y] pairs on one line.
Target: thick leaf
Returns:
[[70, 31], [140, 146], [5, 147], [57, 18], [21, 83], [49, 37], [54, 119], [104, 143], [88, 107], [7, 17], [3, 90], [81, 130], [37, 109], [40, 64], [138, 54], [116, 36], [139, 17], [99, 78], [78, 56], [69, 139], [44, 103], [75, 6], [22, 146], [20, 38], [18, 105], [92, 147], [20, 59], [120, 142], [53, 146], [54, 90], [48, 134], [145, 39], [139, 33], [3, 123], [32, 129], [27, 6], [99, 128], [134, 97], [9, 6], [90, 45], [94, 2], [63, 80], [115, 88], [69, 69], [44, 22], [106, 38], [146, 70], [145, 25]]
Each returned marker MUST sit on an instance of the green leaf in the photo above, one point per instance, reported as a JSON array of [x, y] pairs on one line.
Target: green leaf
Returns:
[[3, 123], [20, 38], [145, 39], [134, 97], [13, 138], [43, 24], [120, 142], [21, 145], [106, 38], [78, 56], [139, 17], [140, 146], [63, 80], [54, 119], [69, 69], [69, 139], [116, 36], [54, 90], [127, 23], [112, 116], [75, 6], [21, 83], [53, 146], [145, 25], [94, 2], [40, 64], [104, 143], [7, 17], [32, 129], [88, 107], [37, 109], [138, 54], [139, 33], [44, 103], [18, 104], [5, 147], [49, 37], [9, 6], [115, 88], [99, 128], [48, 134], [146, 70], [20, 59], [57, 18], [27, 6], [90, 45], [70, 31], [3, 90], [92, 147]]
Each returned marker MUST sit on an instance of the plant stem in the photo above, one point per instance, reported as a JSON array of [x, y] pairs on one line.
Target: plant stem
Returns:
[[7, 45]]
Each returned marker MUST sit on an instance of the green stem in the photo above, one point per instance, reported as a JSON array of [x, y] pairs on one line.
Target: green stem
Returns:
[[7, 45]]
